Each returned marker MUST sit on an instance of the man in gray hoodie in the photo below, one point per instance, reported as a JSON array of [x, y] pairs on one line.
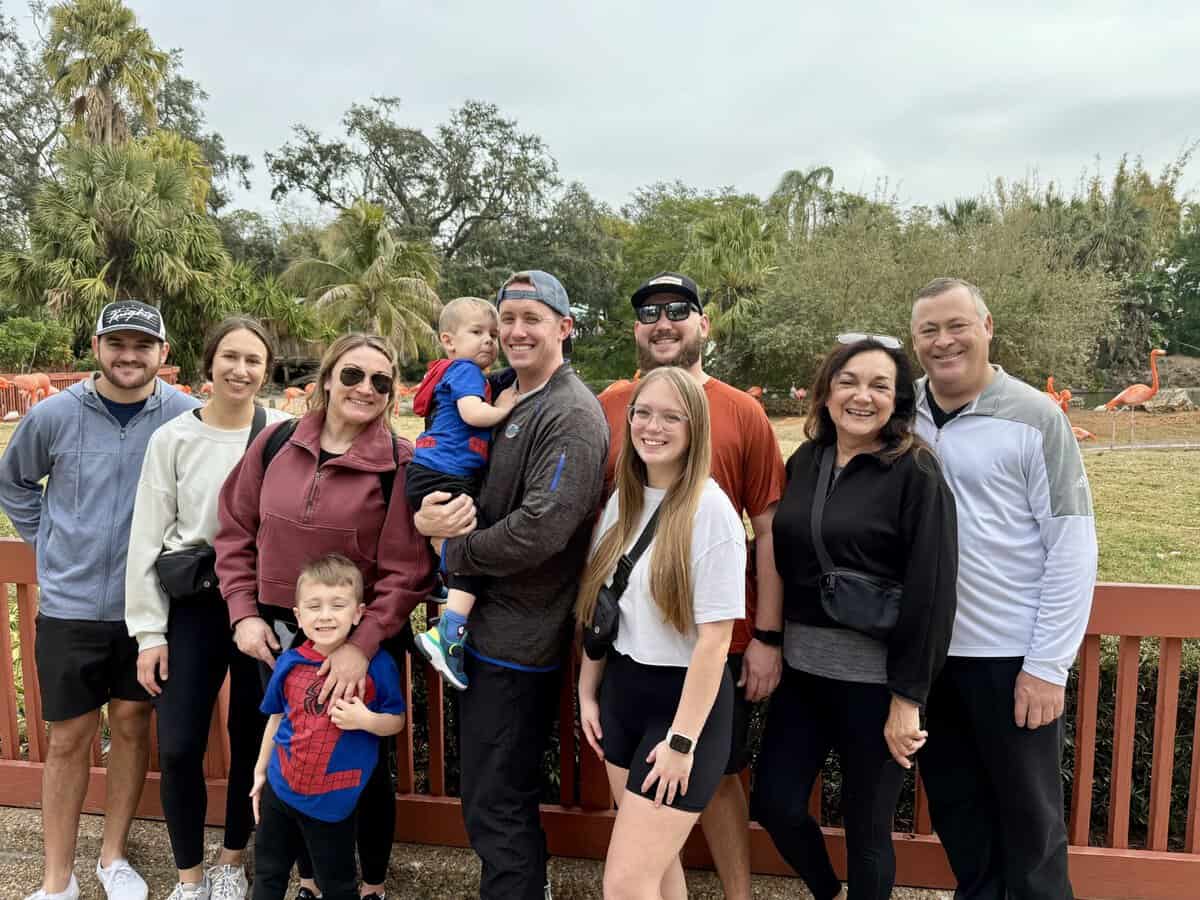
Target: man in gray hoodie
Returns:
[[88, 442]]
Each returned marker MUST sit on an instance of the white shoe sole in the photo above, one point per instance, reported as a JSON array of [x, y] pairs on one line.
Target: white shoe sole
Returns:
[[436, 659]]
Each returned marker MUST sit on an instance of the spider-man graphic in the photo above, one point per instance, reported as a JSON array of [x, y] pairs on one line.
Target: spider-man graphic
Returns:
[[305, 762]]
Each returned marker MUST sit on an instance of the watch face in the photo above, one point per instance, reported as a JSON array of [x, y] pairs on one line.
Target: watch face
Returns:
[[680, 744]]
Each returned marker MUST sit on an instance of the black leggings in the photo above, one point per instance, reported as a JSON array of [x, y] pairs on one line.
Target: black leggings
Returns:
[[376, 810], [809, 716], [199, 653], [288, 835]]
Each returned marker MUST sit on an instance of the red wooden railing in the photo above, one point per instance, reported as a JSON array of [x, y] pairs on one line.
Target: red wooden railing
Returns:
[[1168, 866], [13, 399]]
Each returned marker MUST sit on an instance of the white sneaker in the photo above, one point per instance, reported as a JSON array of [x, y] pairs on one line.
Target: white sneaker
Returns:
[[121, 882], [228, 883], [200, 890], [71, 893]]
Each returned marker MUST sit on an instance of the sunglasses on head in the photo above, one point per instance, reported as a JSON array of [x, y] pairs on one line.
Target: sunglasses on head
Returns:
[[352, 375], [853, 337], [676, 310]]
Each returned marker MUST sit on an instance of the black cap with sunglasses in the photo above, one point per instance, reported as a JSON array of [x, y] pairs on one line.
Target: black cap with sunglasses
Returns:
[[669, 283]]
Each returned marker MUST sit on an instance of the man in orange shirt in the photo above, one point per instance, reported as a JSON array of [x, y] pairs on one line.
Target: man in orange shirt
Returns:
[[671, 330]]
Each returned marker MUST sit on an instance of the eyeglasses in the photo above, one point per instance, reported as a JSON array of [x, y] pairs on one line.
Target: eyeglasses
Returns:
[[352, 375], [853, 337], [677, 311], [644, 415]]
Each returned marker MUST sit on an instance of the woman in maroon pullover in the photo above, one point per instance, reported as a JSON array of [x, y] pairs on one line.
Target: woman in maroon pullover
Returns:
[[323, 492]]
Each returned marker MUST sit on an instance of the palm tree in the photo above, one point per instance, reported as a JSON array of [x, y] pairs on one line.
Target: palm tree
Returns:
[[733, 252], [966, 214], [365, 278], [98, 58], [118, 223], [799, 196]]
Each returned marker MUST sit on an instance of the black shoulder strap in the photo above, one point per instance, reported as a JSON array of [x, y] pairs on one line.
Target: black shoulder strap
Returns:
[[280, 436], [275, 442], [257, 424], [626, 563], [387, 480], [818, 507]]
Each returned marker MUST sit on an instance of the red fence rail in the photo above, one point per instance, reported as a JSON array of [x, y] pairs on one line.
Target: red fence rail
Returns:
[[580, 822], [13, 399]]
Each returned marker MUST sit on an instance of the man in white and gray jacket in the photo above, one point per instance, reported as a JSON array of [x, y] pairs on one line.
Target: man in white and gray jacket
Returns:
[[87, 442], [1027, 568]]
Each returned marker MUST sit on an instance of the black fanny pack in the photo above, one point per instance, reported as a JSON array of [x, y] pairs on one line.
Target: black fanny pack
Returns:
[[865, 603], [601, 632], [190, 574]]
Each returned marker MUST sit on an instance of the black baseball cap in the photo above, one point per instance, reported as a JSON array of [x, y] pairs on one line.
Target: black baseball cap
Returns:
[[131, 315], [668, 283]]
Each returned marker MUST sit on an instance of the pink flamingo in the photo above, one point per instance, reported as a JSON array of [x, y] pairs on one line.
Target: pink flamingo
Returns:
[[206, 389], [1064, 400], [1138, 394], [1082, 434], [1050, 392], [291, 394]]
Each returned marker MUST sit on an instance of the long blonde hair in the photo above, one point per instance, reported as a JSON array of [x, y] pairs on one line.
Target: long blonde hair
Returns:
[[671, 559]]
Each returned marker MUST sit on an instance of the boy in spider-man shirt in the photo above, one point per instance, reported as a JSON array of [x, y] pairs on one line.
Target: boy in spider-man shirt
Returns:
[[315, 760]]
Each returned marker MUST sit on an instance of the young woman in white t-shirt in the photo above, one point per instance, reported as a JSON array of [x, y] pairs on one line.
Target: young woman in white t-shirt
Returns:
[[659, 709], [186, 647]]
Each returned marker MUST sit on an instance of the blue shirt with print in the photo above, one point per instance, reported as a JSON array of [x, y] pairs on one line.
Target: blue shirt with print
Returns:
[[450, 445], [316, 768]]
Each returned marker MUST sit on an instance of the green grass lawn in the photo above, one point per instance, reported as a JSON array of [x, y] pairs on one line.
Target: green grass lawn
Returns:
[[1147, 508]]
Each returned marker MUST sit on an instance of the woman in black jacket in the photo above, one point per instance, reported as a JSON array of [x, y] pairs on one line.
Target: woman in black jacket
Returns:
[[858, 664]]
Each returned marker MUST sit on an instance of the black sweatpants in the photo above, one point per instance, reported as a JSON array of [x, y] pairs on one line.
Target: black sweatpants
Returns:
[[808, 717], [376, 810], [505, 720], [995, 790], [200, 651], [283, 832]]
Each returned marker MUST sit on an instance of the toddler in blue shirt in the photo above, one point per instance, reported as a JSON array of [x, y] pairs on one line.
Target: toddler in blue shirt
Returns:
[[452, 451]]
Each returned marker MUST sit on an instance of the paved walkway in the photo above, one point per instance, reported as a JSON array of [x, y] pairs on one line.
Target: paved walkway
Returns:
[[416, 873]]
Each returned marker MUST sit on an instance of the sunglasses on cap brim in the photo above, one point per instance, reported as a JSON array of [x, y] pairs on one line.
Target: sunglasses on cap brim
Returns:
[[352, 375], [676, 310], [853, 337]]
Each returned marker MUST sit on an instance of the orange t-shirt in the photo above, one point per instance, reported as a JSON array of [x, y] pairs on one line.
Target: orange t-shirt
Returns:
[[746, 462]]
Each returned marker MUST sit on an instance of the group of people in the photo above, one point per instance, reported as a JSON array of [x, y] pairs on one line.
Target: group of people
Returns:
[[917, 584]]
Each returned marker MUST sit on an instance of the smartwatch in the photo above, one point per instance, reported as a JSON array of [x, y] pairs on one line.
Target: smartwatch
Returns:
[[680, 743], [771, 638]]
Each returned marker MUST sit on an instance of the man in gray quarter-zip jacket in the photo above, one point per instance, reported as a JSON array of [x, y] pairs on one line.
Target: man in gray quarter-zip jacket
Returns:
[[88, 443], [538, 501], [1027, 568]]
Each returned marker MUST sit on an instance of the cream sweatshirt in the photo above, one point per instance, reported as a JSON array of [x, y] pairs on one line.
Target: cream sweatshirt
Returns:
[[176, 506]]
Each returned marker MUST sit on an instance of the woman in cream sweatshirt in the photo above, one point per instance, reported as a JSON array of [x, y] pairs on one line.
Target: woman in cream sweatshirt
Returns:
[[185, 647]]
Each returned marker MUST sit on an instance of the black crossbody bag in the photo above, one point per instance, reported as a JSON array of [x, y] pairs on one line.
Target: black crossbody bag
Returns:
[[865, 603], [599, 636], [190, 574]]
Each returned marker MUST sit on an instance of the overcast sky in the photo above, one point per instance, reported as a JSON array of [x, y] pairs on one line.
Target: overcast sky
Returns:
[[936, 98]]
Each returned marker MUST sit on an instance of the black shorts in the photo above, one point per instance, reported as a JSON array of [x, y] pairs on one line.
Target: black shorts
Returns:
[[81, 665], [637, 706], [419, 482], [739, 744]]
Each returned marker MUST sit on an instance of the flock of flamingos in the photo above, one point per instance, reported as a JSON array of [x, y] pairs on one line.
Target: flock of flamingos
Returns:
[[35, 386]]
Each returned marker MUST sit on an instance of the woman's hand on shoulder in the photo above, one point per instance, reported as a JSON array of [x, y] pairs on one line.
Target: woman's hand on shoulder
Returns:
[[671, 770], [345, 674], [903, 732]]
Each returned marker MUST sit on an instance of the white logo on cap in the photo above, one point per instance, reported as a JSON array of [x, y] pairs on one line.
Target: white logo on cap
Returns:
[[135, 314], [666, 279]]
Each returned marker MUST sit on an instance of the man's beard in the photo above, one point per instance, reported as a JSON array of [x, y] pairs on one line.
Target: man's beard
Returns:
[[688, 355], [147, 375]]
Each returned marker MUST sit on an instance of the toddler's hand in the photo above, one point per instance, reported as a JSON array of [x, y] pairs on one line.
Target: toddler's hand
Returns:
[[350, 715], [260, 779], [507, 398]]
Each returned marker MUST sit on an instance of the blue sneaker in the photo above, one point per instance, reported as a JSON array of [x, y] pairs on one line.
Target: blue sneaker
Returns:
[[445, 657]]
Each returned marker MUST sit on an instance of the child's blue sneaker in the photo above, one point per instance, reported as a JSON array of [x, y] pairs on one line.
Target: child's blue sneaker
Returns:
[[445, 656]]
